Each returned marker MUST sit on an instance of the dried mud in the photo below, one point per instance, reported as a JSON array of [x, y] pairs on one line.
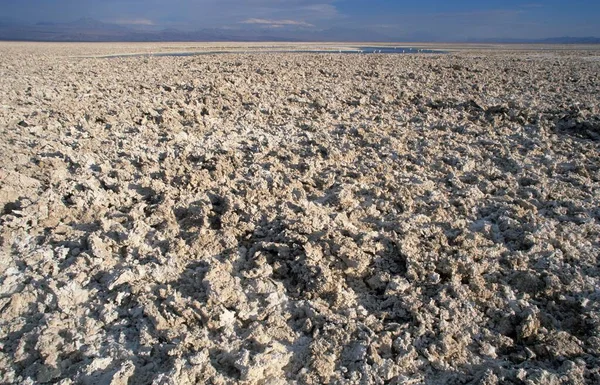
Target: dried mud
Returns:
[[296, 218]]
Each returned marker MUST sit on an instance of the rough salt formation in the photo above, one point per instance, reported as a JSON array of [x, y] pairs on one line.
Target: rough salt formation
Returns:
[[295, 218]]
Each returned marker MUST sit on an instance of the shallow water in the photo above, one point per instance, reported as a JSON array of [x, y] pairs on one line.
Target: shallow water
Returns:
[[357, 50], [398, 50]]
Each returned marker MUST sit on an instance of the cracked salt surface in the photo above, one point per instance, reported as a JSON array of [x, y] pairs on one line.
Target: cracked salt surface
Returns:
[[299, 218]]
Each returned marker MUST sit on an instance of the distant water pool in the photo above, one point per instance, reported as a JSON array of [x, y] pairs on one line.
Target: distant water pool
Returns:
[[397, 50], [346, 50]]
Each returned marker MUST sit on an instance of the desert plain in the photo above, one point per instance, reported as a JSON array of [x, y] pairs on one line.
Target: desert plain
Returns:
[[298, 218]]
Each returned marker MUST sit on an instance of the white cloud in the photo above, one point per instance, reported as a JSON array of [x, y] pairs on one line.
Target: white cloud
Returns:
[[277, 23], [133, 21], [322, 11]]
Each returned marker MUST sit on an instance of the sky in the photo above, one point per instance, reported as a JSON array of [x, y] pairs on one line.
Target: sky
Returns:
[[447, 19]]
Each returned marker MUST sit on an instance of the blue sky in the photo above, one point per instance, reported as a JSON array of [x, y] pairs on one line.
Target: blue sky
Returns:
[[435, 18]]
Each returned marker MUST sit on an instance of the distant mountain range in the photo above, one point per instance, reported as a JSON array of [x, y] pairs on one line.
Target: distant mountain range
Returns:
[[551, 40], [91, 30]]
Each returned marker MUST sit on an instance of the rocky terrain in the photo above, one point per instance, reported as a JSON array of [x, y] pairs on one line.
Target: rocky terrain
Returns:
[[299, 218]]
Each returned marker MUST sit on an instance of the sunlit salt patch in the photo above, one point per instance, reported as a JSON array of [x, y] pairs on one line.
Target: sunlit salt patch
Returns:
[[71, 295]]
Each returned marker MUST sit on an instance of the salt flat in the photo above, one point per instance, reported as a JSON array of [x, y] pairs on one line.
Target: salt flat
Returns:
[[299, 218]]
